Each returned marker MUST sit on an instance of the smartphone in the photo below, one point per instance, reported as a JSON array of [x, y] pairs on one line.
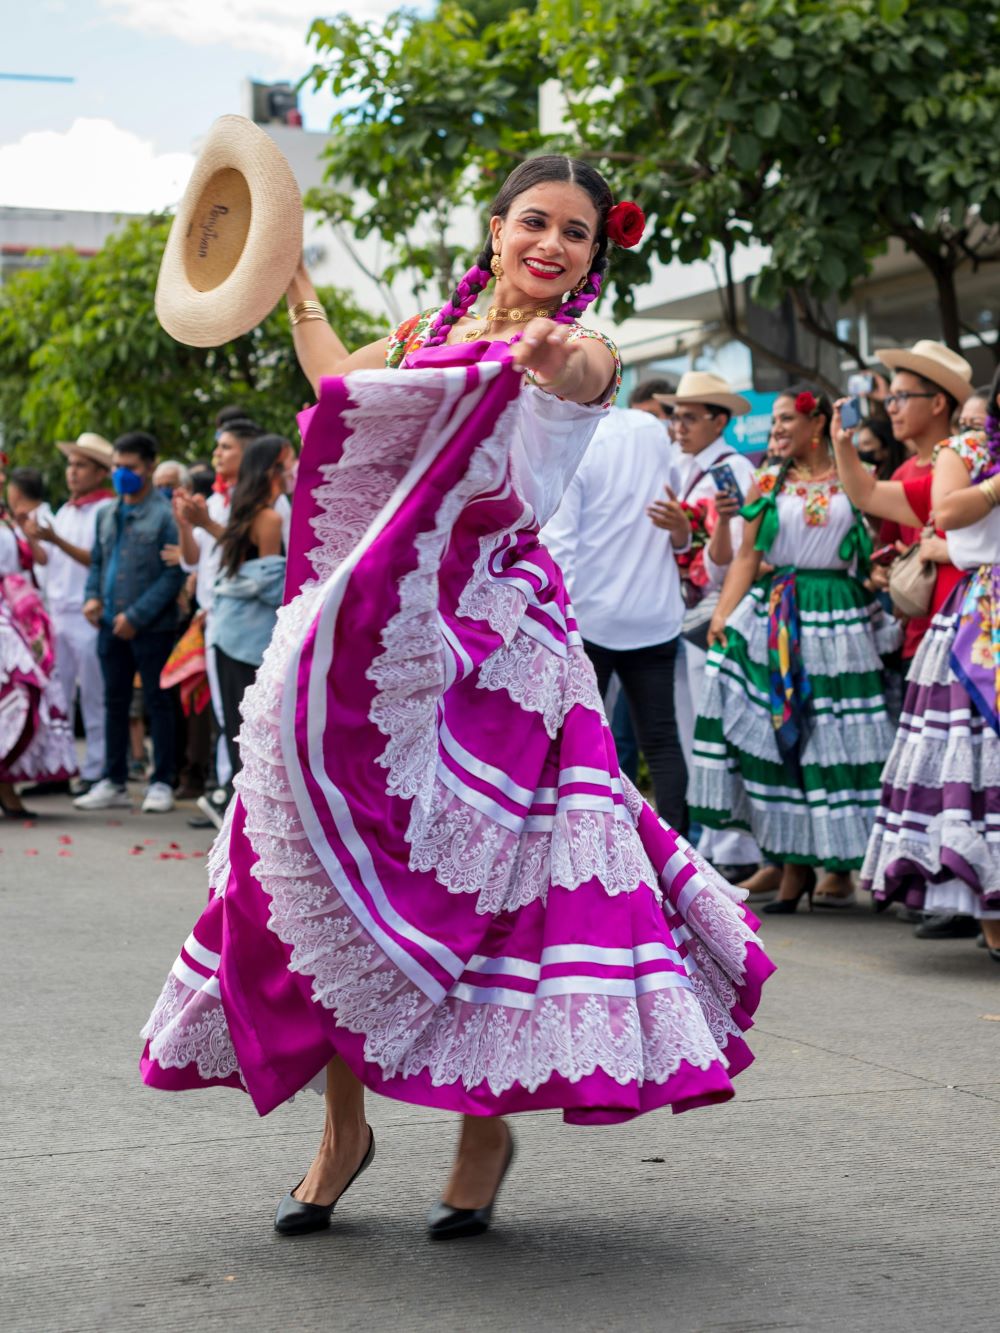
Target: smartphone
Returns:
[[725, 481], [859, 386], [885, 555], [851, 414]]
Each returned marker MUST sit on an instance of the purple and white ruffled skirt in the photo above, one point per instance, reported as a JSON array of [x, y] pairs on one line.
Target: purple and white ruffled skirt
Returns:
[[935, 846]]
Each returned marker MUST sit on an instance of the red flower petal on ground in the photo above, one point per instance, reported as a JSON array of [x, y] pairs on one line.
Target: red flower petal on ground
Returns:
[[65, 840], [136, 851]]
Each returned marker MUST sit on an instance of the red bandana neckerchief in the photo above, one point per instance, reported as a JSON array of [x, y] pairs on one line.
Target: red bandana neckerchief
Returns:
[[91, 498], [222, 487]]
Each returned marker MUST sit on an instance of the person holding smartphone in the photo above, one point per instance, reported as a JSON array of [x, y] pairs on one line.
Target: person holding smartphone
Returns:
[[703, 508]]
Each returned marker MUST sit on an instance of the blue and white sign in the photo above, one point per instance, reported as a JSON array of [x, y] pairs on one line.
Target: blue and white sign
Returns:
[[750, 433]]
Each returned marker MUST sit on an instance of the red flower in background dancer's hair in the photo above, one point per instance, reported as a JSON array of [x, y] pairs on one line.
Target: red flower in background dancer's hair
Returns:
[[626, 223], [805, 404]]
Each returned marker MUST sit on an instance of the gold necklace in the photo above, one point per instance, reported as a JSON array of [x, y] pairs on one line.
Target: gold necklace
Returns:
[[505, 314]]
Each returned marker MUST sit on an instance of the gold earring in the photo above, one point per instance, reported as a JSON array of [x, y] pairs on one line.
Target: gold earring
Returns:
[[496, 268], [575, 291]]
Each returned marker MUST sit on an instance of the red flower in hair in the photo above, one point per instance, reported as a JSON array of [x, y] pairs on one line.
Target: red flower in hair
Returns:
[[626, 223], [805, 404]]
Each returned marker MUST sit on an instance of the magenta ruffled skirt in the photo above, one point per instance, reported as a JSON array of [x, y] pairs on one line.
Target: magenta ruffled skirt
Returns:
[[433, 868]]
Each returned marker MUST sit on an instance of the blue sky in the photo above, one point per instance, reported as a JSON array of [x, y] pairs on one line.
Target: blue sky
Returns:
[[151, 76]]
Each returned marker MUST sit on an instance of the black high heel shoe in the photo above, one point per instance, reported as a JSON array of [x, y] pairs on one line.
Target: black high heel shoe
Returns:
[[447, 1223], [786, 906], [295, 1218]]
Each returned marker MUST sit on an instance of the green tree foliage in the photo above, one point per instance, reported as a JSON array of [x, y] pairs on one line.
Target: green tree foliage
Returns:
[[822, 129], [81, 349]]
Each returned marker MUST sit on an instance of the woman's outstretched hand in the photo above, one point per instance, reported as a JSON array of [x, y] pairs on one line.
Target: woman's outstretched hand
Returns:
[[558, 365]]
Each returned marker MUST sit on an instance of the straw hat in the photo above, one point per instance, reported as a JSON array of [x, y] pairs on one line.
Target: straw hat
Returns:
[[94, 447], [934, 362], [698, 386], [236, 239]]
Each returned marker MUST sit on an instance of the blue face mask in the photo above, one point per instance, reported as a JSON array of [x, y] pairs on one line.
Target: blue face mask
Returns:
[[166, 491], [127, 482]]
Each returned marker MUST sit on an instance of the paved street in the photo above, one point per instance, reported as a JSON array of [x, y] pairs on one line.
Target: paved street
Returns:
[[852, 1185]]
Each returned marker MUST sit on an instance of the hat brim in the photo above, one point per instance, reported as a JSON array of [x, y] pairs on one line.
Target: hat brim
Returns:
[[271, 249], [71, 447], [899, 358], [732, 402]]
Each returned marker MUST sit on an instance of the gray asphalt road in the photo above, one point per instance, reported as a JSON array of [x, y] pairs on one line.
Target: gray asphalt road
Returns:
[[852, 1185]]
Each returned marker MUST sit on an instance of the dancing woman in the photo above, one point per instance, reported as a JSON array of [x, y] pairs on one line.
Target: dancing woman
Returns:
[[433, 882], [934, 846], [793, 730]]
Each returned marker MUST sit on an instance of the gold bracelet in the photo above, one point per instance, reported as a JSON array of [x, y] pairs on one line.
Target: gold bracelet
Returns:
[[306, 310], [990, 487]]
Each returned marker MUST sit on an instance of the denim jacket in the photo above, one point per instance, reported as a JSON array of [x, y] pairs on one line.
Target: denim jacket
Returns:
[[143, 586], [245, 608]]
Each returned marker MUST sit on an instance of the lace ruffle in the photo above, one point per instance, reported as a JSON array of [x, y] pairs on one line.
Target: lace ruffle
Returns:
[[189, 1027], [541, 681], [468, 852]]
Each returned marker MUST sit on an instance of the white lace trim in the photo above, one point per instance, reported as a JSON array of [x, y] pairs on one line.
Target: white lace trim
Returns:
[[835, 642], [834, 737], [633, 1041], [942, 833], [189, 1027], [469, 852], [541, 681], [498, 603], [375, 458], [409, 673], [823, 835]]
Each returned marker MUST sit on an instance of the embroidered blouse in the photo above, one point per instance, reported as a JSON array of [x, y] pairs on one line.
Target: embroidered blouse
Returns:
[[808, 524]]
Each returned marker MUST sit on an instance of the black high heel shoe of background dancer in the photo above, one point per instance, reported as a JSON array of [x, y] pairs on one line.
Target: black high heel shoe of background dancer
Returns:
[[295, 1218], [447, 1223], [786, 906]]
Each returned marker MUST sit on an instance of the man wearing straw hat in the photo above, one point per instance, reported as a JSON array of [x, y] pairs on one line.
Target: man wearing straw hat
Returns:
[[702, 407], [64, 547]]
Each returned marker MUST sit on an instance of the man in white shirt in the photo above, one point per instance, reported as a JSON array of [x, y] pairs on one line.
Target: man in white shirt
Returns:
[[702, 408], [625, 587], [63, 546]]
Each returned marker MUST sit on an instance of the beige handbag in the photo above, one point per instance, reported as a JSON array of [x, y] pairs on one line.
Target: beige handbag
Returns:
[[911, 583]]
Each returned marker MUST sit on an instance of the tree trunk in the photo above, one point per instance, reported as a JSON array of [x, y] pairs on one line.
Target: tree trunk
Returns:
[[943, 274]]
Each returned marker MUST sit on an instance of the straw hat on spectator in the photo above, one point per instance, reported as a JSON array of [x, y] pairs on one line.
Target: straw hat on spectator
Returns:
[[698, 386], [94, 447], [934, 362], [236, 240]]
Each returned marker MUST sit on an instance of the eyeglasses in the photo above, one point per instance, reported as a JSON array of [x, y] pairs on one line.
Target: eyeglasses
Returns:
[[966, 424], [903, 397], [686, 419]]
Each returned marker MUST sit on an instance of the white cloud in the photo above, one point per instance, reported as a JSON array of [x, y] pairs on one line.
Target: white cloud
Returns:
[[276, 29], [93, 165]]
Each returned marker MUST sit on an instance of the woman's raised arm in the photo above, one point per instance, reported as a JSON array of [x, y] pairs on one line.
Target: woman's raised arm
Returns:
[[880, 499], [319, 350]]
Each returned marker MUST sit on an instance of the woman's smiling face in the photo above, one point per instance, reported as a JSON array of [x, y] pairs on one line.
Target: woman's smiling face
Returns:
[[547, 241]]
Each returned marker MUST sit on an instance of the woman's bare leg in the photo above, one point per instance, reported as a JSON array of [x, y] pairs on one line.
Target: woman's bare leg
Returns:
[[345, 1137], [991, 929], [483, 1145]]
